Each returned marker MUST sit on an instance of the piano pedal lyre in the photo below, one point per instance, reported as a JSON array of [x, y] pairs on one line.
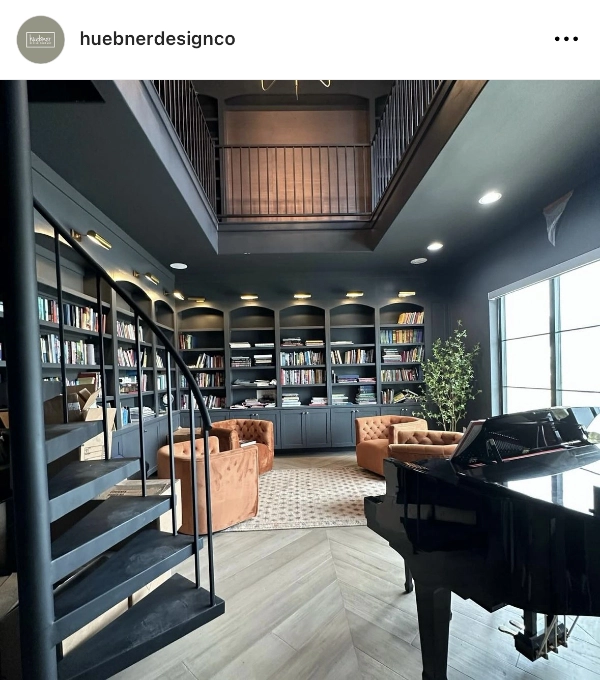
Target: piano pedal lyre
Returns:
[[538, 646]]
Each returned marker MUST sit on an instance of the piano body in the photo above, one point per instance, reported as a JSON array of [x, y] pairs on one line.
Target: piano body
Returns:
[[512, 518]]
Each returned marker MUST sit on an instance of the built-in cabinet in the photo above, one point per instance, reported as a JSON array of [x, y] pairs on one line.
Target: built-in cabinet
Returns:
[[305, 429]]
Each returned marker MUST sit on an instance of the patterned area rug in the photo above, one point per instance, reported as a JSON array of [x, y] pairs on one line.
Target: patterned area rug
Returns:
[[312, 497]]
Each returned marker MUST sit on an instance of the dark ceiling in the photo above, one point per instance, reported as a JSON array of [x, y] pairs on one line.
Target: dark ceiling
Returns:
[[532, 141]]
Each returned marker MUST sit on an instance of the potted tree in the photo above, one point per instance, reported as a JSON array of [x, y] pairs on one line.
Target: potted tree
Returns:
[[449, 377]]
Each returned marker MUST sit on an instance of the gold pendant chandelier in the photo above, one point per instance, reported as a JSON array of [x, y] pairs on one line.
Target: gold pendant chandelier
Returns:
[[266, 88]]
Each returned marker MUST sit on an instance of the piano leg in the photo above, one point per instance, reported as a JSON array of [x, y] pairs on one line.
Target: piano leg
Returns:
[[408, 579], [433, 608]]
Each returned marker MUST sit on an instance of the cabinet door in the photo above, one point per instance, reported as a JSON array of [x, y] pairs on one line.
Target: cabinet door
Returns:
[[217, 416], [151, 445], [342, 426], [291, 426], [399, 410], [316, 428]]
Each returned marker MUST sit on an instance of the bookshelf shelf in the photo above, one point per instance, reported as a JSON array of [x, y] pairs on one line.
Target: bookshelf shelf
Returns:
[[73, 367], [367, 364], [200, 370], [402, 344], [74, 330], [402, 382], [402, 325], [301, 328], [264, 367], [303, 366], [200, 330], [358, 325], [204, 349], [127, 341]]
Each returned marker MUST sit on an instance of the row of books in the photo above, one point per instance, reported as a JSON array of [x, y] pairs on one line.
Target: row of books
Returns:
[[306, 358], [126, 331], [161, 382], [400, 375], [210, 400], [393, 355], [129, 384], [392, 396], [398, 337], [353, 356], [411, 317], [206, 380], [209, 361], [75, 352], [126, 357], [77, 316], [352, 378], [306, 376]]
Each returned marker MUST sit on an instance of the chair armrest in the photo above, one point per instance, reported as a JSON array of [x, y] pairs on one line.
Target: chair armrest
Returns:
[[263, 433], [394, 431]]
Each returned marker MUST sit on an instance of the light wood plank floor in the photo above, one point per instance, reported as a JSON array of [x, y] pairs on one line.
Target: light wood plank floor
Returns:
[[329, 604]]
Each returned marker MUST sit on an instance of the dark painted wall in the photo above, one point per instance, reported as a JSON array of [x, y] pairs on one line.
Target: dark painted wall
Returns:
[[522, 253]]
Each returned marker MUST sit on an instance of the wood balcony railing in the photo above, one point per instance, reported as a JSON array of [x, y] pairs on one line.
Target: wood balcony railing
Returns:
[[299, 181]]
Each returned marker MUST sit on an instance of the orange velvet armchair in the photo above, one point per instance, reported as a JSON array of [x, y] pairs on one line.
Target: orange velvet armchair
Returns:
[[231, 432], [233, 483], [376, 433], [411, 446]]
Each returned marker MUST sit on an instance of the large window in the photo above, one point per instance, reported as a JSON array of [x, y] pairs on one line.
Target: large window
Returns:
[[550, 342]]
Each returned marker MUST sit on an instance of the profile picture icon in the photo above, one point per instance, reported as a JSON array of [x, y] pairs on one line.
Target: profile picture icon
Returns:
[[40, 40]]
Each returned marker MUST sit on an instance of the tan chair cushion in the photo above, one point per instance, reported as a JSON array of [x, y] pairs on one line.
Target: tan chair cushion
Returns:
[[435, 437], [370, 455], [376, 427]]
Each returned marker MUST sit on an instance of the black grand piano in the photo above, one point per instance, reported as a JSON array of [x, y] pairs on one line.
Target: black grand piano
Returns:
[[513, 518]]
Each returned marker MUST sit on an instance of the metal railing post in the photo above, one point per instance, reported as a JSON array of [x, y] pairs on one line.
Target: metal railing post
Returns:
[[194, 483], [140, 403], [102, 365], [171, 445], [61, 327], [24, 372]]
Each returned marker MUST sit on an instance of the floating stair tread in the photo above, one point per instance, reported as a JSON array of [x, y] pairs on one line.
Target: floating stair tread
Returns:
[[114, 520], [64, 437], [173, 610], [145, 557], [81, 481]]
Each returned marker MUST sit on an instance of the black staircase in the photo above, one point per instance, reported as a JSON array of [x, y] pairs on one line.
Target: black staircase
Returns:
[[66, 583]]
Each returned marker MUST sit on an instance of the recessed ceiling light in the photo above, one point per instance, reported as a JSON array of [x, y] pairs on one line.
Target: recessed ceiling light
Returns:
[[436, 245], [406, 293], [490, 197], [249, 296], [419, 260], [178, 295], [354, 293], [178, 265], [302, 296]]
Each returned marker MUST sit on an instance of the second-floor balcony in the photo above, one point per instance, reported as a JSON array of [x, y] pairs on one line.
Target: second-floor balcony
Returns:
[[251, 182]]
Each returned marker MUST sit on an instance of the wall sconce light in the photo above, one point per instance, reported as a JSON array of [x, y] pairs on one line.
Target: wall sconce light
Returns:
[[354, 294], [406, 293], [152, 278], [197, 299], [76, 235], [178, 295], [99, 239], [136, 275], [248, 296], [302, 296]]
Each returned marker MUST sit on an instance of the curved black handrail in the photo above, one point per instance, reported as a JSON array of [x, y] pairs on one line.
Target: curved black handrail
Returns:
[[65, 233]]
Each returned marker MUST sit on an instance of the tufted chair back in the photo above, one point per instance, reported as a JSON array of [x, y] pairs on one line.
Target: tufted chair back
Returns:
[[377, 427], [231, 432], [431, 437], [183, 449]]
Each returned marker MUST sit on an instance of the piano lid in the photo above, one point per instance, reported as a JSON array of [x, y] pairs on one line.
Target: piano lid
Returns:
[[528, 434]]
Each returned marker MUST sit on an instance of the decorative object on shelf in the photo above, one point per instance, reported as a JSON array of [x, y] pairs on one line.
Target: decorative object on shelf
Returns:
[[449, 377]]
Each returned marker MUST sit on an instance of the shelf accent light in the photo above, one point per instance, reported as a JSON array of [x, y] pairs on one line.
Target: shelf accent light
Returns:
[[406, 293], [152, 278], [197, 299], [177, 294], [248, 296], [302, 296], [95, 236], [354, 294]]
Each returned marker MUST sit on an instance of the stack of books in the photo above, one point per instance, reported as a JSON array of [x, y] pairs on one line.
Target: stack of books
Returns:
[[264, 345], [318, 401], [339, 399], [263, 359], [291, 342], [347, 378], [342, 342], [315, 343], [291, 399], [352, 356], [134, 413], [366, 395], [411, 317], [239, 345], [364, 379], [207, 361], [390, 356], [241, 362]]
